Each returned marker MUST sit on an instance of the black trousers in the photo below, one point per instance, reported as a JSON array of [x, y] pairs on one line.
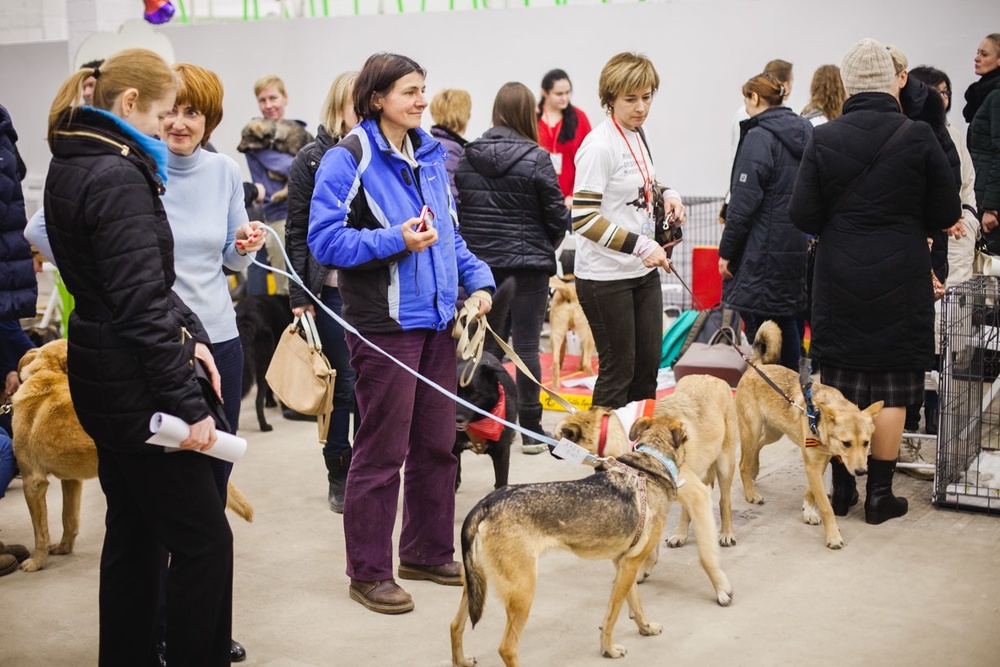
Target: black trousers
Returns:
[[156, 501], [626, 317]]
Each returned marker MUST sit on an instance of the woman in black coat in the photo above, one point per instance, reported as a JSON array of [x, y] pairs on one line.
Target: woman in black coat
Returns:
[[133, 346], [762, 257], [513, 216], [873, 205], [982, 112]]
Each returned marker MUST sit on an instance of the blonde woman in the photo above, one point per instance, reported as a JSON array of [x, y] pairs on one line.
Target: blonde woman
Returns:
[[451, 109], [826, 95], [337, 119]]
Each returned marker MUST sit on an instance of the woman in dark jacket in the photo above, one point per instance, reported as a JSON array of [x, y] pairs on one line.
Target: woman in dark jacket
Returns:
[[513, 216], [338, 119], [873, 205], [133, 345], [762, 257], [982, 112]]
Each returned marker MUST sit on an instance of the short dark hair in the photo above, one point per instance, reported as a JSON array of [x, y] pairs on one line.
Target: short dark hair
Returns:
[[377, 77], [514, 107], [933, 77]]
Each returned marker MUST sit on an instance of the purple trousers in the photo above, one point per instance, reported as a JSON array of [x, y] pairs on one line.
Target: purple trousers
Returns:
[[406, 425]]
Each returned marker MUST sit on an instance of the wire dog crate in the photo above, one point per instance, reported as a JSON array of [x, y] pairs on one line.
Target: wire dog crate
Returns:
[[701, 228], [967, 471]]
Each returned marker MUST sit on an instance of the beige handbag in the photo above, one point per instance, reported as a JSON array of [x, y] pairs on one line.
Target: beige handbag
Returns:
[[300, 374]]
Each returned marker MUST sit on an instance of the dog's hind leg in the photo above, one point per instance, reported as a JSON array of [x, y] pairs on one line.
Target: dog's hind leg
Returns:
[[458, 658], [515, 584], [636, 612], [72, 490], [624, 583], [558, 343], [35, 487], [725, 470], [697, 499]]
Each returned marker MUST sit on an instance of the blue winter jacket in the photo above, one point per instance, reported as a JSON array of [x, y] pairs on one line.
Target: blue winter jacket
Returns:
[[18, 287], [364, 193]]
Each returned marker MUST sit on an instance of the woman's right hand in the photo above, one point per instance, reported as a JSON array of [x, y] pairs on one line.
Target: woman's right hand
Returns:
[[298, 310], [724, 269], [202, 435], [418, 241]]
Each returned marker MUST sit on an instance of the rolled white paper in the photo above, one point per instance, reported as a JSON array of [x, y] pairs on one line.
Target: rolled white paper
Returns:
[[170, 431]]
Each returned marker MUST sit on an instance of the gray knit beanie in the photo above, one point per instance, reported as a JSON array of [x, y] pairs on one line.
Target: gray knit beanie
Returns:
[[867, 68]]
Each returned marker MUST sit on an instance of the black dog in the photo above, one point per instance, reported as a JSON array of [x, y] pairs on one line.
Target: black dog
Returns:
[[489, 381], [261, 319]]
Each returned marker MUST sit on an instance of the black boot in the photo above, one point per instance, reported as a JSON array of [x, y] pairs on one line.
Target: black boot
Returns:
[[930, 412], [336, 474], [880, 504], [845, 489]]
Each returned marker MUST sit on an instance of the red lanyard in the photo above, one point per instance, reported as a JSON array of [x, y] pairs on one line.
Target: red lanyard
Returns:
[[644, 169], [554, 129]]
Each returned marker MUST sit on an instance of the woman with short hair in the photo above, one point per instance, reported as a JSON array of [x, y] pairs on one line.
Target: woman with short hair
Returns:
[[451, 109]]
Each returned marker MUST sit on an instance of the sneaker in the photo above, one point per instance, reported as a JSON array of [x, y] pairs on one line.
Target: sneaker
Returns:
[[917, 450], [534, 449]]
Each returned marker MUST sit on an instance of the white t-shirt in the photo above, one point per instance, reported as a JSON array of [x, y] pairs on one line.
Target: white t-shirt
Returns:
[[605, 164]]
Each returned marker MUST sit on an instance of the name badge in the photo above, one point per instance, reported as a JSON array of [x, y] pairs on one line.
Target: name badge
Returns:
[[557, 162]]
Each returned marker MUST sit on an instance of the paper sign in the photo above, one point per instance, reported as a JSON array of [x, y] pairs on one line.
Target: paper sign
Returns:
[[570, 451]]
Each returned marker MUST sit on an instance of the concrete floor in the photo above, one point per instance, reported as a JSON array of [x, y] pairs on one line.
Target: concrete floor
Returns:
[[920, 590]]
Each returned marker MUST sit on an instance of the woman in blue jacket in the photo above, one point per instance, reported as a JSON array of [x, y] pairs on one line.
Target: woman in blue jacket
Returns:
[[762, 257], [399, 278]]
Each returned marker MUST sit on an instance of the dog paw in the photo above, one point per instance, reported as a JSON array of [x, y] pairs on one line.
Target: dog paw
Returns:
[[754, 498], [727, 540], [614, 651], [266, 427], [642, 577], [30, 565], [60, 549], [677, 541], [650, 629], [810, 515], [464, 662], [724, 598], [837, 543]]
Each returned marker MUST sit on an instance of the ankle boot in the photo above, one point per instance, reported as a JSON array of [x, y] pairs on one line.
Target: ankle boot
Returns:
[[880, 504], [337, 466], [930, 412], [845, 489]]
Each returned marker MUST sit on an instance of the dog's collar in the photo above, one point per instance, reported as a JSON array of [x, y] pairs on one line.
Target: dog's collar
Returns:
[[602, 441], [667, 463], [488, 428]]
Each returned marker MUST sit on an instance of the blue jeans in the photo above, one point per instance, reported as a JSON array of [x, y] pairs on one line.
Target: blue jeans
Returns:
[[331, 335], [6, 461], [791, 337]]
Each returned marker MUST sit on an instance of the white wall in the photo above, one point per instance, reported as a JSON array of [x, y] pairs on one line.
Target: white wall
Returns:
[[704, 51]]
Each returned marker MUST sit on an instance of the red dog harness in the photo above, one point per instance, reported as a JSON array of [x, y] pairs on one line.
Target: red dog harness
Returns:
[[488, 428]]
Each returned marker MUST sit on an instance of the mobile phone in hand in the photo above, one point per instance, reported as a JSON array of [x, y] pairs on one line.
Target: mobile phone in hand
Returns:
[[426, 219]]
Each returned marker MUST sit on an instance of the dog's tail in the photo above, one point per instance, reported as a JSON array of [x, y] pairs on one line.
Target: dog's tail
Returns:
[[475, 578], [767, 344], [238, 503]]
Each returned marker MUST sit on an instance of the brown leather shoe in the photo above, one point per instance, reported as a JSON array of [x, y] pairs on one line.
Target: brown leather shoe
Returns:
[[449, 574], [384, 597]]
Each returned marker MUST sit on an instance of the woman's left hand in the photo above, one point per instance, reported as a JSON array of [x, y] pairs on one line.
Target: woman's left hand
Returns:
[[672, 205], [957, 231], [724, 269], [250, 237], [203, 354]]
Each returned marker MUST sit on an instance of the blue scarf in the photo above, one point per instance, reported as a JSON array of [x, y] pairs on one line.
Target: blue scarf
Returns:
[[156, 148]]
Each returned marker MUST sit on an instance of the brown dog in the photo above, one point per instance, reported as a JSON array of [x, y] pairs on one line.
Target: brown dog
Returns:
[[48, 440], [600, 516], [704, 405], [764, 416], [566, 314]]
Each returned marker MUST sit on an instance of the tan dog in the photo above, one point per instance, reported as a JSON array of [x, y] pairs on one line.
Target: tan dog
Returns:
[[600, 516], [764, 416], [48, 440], [566, 314], [704, 405]]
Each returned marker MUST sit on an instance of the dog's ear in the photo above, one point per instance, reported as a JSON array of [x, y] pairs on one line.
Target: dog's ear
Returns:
[[640, 426], [26, 359], [874, 409], [571, 432], [677, 431]]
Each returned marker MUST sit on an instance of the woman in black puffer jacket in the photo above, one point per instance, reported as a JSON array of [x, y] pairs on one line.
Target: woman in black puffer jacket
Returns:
[[762, 257], [513, 216], [982, 111], [133, 346]]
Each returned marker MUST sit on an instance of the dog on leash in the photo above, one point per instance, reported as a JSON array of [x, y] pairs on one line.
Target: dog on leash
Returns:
[[597, 517], [764, 416], [48, 440], [261, 319], [491, 389], [704, 405], [283, 136], [566, 314]]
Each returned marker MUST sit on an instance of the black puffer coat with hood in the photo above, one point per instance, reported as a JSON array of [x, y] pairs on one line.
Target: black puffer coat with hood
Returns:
[[513, 213], [766, 253]]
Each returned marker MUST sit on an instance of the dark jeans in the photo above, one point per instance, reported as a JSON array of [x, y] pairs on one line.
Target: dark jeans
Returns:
[[626, 317], [156, 501], [331, 335], [404, 425], [257, 276], [791, 337], [523, 322], [6, 461]]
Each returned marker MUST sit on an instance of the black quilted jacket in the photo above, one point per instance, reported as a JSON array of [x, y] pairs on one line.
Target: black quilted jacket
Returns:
[[513, 213], [131, 338], [873, 305], [767, 253], [984, 143], [18, 289]]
